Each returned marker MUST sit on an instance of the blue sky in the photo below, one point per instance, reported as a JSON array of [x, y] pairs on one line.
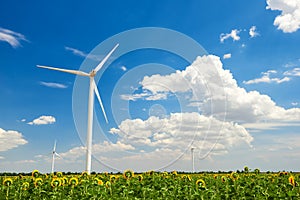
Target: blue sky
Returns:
[[237, 103]]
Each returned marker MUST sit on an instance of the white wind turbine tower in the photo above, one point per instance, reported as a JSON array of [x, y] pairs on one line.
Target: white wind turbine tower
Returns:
[[193, 160], [93, 89], [54, 153]]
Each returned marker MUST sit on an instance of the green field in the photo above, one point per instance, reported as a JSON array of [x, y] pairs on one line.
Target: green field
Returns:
[[152, 185]]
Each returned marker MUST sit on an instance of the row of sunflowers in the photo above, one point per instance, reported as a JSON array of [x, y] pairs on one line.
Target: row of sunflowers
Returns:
[[151, 185]]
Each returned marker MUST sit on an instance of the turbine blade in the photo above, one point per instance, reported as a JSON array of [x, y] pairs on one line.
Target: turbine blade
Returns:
[[57, 155], [105, 59], [77, 72], [54, 147], [99, 99]]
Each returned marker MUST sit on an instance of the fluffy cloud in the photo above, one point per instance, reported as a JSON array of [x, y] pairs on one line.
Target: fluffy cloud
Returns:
[[167, 140], [217, 116], [42, 120], [294, 103], [10, 139], [11, 37], [267, 79], [212, 88], [233, 34], [180, 130], [123, 68], [159, 159], [227, 56], [97, 149], [293, 72], [253, 32], [289, 19], [53, 85], [109, 147]]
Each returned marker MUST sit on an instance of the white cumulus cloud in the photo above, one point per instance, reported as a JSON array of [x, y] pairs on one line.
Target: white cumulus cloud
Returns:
[[227, 56], [289, 19], [233, 34], [97, 149], [42, 120], [267, 79], [10, 139], [216, 116], [179, 130], [253, 32], [123, 68], [211, 86], [293, 72], [11, 37]]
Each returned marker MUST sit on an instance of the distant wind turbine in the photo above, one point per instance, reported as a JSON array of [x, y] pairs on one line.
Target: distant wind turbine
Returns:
[[53, 157], [93, 89]]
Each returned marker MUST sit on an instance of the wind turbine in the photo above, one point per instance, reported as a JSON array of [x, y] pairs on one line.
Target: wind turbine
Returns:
[[92, 91], [53, 157]]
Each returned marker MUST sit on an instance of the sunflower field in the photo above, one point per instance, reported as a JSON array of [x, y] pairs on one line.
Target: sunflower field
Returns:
[[152, 185]]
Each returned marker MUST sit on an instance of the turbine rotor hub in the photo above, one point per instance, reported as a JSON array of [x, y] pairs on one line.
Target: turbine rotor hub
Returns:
[[92, 73]]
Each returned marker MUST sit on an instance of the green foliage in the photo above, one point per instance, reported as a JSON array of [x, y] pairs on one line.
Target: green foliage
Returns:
[[152, 185]]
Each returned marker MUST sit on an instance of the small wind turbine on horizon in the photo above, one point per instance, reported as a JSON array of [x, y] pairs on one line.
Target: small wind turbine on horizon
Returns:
[[54, 153], [92, 91]]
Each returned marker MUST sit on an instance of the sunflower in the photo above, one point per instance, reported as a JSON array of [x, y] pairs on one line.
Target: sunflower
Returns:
[[64, 180], [44, 176], [292, 181], [165, 174], [128, 174], [151, 172], [7, 182], [282, 173], [84, 174], [25, 185], [35, 173], [38, 182], [108, 184], [95, 181], [112, 178], [234, 175], [140, 177], [56, 182], [174, 173], [100, 182], [73, 181], [20, 176], [59, 174], [105, 174], [200, 183], [223, 178], [186, 178]]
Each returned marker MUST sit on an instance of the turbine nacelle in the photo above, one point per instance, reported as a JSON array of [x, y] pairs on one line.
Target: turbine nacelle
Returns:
[[93, 73]]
